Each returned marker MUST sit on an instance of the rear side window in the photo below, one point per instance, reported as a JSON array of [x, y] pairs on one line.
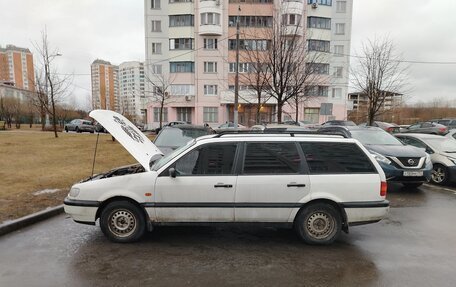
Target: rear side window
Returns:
[[336, 158], [271, 158], [213, 159]]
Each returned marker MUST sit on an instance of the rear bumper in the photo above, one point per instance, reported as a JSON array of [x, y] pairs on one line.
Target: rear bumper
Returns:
[[365, 212]]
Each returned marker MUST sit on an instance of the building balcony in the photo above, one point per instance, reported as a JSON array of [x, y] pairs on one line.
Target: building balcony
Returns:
[[210, 30]]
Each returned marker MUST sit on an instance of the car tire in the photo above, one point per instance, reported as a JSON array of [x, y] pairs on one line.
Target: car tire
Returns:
[[122, 222], [318, 223], [66, 129], [412, 185], [439, 174], [91, 132], [77, 130]]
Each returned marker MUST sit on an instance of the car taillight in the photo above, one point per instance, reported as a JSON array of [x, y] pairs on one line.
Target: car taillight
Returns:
[[383, 188], [390, 129], [442, 130]]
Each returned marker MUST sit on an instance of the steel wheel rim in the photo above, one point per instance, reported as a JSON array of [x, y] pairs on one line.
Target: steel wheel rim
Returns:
[[122, 223], [438, 174], [320, 225]]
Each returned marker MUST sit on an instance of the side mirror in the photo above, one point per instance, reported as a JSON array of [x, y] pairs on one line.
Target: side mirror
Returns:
[[172, 172], [429, 150]]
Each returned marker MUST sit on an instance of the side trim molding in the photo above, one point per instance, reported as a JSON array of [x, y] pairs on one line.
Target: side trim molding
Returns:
[[82, 203]]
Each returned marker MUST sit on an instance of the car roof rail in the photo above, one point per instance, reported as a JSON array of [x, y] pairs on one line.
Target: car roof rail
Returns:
[[278, 132]]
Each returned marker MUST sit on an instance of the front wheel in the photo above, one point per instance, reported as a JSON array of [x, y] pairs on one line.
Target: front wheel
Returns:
[[439, 174], [122, 221], [318, 224]]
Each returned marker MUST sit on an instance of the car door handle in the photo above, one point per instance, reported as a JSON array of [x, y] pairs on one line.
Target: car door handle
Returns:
[[296, 184], [223, 185]]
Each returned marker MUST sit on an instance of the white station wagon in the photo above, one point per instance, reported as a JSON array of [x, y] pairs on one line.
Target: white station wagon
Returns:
[[319, 185]]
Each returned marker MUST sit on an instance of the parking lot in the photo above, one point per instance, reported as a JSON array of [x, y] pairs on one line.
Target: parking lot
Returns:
[[413, 246]]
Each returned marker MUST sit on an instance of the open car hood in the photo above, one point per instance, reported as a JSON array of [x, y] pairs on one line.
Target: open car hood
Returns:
[[128, 135]]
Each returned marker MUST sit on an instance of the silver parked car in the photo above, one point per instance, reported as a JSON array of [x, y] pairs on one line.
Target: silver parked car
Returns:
[[79, 126], [427, 128], [442, 151]]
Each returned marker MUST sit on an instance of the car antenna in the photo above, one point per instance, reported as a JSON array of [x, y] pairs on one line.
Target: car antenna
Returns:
[[94, 155]]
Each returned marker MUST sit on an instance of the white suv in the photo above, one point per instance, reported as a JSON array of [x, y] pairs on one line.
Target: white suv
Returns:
[[319, 185]]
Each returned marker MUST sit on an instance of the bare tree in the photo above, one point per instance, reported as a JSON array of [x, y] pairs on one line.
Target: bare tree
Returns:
[[379, 73], [56, 86], [161, 91]]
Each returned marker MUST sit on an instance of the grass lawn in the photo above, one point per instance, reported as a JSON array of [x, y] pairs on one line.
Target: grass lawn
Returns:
[[31, 161]]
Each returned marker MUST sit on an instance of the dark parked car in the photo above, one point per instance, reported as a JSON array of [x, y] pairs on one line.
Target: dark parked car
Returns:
[[402, 163], [427, 128], [173, 137], [389, 127], [442, 151], [170, 124], [79, 126], [339, 123]]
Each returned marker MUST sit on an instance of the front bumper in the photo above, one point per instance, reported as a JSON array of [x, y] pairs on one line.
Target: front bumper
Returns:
[[394, 174], [83, 211]]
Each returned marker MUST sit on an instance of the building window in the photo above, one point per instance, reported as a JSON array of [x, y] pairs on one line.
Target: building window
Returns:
[[318, 68], [341, 6], [316, 91], [318, 45], [291, 19], [181, 44], [251, 21], [210, 67], [157, 114], [210, 19], [154, 4], [338, 50], [321, 2], [156, 26], [338, 72], [156, 48], [182, 90], [156, 69], [260, 45], [340, 29], [312, 115], [337, 93], [210, 90], [243, 68], [181, 20], [210, 43], [184, 114], [319, 23], [210, 115], [182, 67], [180, 1]]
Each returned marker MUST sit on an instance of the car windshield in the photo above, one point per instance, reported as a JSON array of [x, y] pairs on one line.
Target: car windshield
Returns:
[[164, 160], [176, 137], [377, 137], [443, 144], [86, 123]]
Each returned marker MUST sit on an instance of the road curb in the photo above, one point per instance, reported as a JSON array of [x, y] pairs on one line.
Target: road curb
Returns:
[[30, 219]]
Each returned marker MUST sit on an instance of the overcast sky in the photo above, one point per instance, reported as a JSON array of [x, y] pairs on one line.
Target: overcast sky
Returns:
[[84, 30]]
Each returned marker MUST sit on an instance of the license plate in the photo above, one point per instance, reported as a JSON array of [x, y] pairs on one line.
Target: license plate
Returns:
[[413, 173]]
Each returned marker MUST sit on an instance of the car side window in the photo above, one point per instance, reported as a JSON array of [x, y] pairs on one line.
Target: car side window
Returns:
[[427, 125], [271, 158], [336, 158], [213, 159], [416, 143], [414, 126]]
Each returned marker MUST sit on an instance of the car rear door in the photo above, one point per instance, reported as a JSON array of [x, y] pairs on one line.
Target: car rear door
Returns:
[[271, 182], [203, 189]]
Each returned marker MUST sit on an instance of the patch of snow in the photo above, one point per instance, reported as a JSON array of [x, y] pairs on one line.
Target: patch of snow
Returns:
[[45, 191]]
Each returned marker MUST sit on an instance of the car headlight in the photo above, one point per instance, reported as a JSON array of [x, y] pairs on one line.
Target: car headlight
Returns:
[[74, 192], [380, 158]]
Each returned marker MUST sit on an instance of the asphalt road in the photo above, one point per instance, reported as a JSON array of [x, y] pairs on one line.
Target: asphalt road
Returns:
[[414, 246]]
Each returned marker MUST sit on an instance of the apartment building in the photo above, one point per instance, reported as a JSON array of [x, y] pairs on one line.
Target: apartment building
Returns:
[[16, 67], [105, 86], [191, 51], [131, 90]]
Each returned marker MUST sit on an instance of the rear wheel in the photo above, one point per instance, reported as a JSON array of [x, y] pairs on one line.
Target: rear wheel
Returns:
[[77, 130], [439, 174], [412, 185], [318, 223], [66, 129], [122, 221]]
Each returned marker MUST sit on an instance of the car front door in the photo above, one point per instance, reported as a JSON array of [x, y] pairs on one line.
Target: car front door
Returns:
[[203, 188], [271, 182]]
